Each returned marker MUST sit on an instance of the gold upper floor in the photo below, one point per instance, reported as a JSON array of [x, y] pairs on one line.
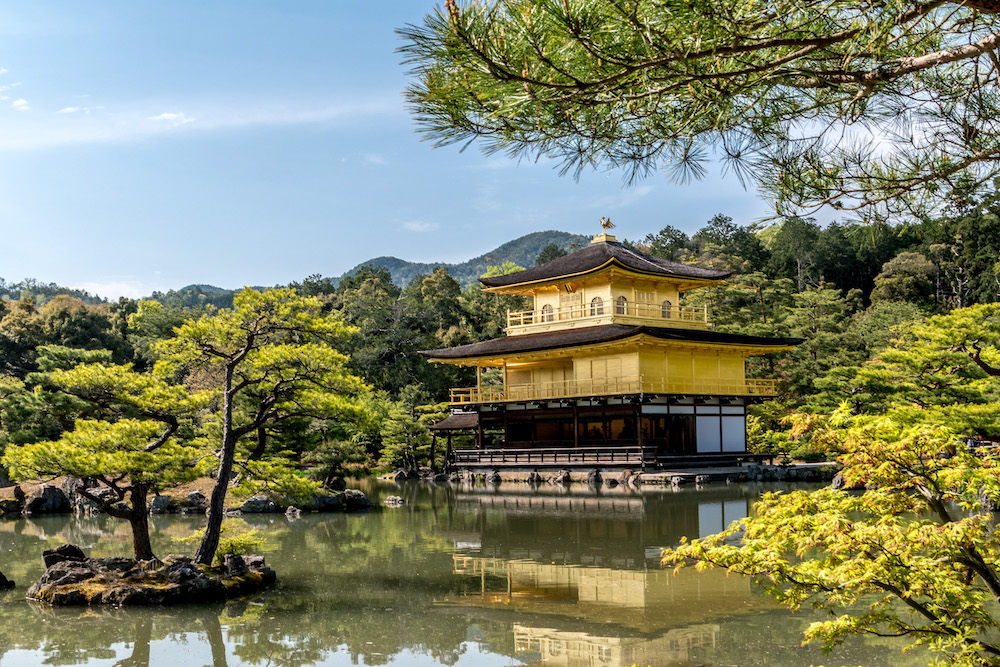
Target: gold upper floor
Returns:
[[606, 299]]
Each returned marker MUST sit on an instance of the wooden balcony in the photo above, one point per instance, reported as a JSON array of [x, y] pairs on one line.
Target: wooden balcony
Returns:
[[612, 387], [621, 456], [614, 456], [649, 314]]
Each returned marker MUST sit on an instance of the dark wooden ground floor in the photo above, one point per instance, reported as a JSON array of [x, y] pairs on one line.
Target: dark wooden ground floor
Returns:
[[643, 432]]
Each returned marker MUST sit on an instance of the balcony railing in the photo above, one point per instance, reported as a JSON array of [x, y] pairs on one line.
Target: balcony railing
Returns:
[[613, 387], [661, 315]]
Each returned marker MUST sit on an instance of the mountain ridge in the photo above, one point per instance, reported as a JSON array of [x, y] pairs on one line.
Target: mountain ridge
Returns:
[[521, 251]]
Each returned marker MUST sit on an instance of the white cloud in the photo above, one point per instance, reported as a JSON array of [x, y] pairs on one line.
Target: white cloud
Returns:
[[374, 158], [420, 226], [173, 118], [20, 105], [98, 124], [3, 70], [69, 110], [112, 289]]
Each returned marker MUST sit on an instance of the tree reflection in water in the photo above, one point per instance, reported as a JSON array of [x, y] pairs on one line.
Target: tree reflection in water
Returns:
[[522, 575]]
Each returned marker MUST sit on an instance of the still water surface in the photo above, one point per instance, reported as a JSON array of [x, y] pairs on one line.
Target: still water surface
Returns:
[[468, 577]]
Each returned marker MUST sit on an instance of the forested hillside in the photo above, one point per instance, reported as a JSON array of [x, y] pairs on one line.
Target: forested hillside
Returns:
[[521, 251], [864, 298]]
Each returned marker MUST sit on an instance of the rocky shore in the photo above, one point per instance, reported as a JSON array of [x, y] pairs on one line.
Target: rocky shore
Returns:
[[72, 579], [596, 477], [47, 499]]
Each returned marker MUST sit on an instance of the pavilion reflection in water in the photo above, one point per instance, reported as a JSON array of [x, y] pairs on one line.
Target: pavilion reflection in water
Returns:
[[550, 560]]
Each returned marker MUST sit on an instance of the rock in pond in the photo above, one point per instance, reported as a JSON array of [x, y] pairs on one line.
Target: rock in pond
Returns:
[[159, 505], [46, 499], [355, 501], [5, 583], [70, 580], [326, 502], [393, 501], [259, 505]]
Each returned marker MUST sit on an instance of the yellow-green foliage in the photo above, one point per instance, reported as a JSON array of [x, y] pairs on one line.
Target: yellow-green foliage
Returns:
[[97, 448], [914, 555], [240, 544], [236, 538]]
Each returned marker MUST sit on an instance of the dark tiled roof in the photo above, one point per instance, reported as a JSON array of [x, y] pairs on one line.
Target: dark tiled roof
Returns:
[[457, 421], [597, 254], [551, 340]]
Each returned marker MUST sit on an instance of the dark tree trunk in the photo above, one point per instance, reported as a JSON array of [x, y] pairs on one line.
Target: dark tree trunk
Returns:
[[217, 503], [434, 440], [139, 520]]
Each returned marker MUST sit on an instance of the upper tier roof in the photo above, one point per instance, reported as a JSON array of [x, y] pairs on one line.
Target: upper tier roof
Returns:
[[597, 255], [551, 340]]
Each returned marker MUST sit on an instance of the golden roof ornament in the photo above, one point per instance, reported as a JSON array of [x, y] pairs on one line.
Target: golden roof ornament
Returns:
[[606, 224]]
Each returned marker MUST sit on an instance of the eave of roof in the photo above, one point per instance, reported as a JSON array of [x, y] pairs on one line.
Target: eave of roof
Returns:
[[552, 340], [457, 421], [598, 256]]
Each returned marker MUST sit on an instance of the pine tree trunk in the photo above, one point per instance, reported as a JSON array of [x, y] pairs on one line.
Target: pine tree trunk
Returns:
[[139, 521], [217, 503]]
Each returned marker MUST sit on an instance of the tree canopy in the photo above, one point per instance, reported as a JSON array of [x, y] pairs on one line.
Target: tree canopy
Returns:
[[876, 108], [269, 359]]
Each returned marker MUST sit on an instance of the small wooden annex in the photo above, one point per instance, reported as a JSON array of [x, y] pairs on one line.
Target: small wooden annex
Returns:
[[607, 369]]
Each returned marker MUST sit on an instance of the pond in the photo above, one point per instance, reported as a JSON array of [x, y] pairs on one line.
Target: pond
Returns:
[[456, 576]]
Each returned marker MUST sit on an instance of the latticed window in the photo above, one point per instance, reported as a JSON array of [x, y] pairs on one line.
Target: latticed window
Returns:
[[621, 305], [597, 306], [547, 314], [665, 309]]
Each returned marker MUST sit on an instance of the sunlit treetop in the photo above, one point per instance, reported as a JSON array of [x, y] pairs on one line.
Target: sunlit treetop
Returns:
[[879, 108]]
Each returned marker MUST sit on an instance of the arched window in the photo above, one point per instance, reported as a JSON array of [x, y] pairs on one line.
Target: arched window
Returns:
[[621, 305], [547, 315], [665, 309], [597, 306]]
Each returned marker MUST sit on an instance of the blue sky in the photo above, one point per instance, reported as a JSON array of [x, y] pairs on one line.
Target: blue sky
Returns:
[[151, 145]]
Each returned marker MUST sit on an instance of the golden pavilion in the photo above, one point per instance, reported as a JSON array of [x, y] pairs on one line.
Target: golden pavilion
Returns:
[[607, 369]]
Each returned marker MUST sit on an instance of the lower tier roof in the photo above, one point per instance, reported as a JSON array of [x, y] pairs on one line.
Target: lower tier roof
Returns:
[[551, 340]]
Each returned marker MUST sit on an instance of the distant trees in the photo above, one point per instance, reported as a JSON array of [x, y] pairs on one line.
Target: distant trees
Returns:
[[549, 253]]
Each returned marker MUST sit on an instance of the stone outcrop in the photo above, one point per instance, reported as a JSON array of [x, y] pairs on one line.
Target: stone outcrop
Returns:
[[393, 501], [46, 499], [629, 477], [355, 501], [259, 505], [594, 478], [71, 578], [562, 477], [327, 502], [159, 505], [5, 583]]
